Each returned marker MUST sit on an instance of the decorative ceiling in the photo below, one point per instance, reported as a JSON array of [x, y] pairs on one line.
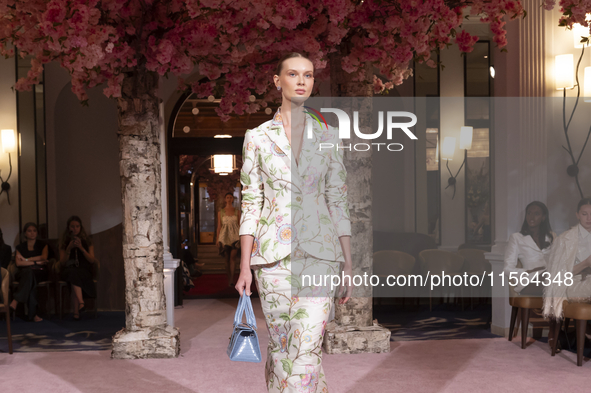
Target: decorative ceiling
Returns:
[[207, 124]]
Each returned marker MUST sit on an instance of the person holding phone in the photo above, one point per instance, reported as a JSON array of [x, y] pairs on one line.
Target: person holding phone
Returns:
[[31, 261], [76, 259]]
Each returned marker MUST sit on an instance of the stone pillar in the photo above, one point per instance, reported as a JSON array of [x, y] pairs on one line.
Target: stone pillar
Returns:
[[520, 147], [352, 330], [146, 333]]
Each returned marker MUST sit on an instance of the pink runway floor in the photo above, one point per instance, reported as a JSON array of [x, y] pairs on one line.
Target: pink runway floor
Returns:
[[481, 365]]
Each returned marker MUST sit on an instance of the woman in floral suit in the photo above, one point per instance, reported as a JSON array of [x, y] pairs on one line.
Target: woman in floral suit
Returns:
[[294, 223]]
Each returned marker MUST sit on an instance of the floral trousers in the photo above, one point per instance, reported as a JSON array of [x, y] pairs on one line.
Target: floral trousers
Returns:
[[296, 312]]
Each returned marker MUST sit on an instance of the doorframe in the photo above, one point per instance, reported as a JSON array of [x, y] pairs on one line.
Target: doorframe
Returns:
[[188, 146]]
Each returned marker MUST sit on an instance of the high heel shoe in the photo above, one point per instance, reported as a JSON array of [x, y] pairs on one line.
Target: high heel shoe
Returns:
[[82, 309]]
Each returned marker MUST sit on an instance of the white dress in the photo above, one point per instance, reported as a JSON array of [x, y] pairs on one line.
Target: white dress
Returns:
[[524, 248], [229, 229], [570, 248]]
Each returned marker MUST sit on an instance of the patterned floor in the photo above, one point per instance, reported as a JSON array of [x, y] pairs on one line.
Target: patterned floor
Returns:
[[445, 322], [53, 335]]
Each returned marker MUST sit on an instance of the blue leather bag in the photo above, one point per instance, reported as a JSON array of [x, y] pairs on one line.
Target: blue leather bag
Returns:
[[244, 342]]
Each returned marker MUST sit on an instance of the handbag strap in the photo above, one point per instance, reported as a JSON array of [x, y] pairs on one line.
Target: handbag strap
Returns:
[[245, 307]]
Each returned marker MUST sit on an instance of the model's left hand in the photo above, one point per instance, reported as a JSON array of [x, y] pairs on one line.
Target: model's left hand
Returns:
[[346, 288]]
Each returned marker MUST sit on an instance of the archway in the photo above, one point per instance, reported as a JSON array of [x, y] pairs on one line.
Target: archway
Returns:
[[195, 133]]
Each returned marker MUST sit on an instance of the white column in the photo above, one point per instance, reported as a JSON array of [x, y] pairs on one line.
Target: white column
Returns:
[[170, 264], [520, 141]]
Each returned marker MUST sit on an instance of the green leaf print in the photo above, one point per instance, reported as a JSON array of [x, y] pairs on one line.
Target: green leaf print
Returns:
[[285, 317], [268, 158], [300, 314], [289, 342], [265, 246], [294, 281], [287, 365], [325, 220], [244, 178], [343, 176]]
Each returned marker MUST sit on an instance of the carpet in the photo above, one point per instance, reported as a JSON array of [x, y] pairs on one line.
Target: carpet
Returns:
[[443, 323], [54, 335], [442, 366], [214, 286]]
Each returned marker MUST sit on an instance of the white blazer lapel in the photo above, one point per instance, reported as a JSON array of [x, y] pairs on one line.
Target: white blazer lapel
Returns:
[[280, 145], [309, 146]]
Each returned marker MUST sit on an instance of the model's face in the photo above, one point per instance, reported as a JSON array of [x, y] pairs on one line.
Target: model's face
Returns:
[[74, 228], [584, 217], [534, 216], [296, 79], [229, 199], [31, 233]]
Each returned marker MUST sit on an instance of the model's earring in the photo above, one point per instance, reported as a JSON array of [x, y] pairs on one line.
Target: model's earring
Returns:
[[278, 87]]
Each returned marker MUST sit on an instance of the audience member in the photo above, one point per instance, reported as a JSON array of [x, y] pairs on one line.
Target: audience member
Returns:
[[570, 256], [531, 246], [76, 259], [31, 261], [5, 252], [190, 261]]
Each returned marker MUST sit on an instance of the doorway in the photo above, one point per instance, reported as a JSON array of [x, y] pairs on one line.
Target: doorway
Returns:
[[196, 188]]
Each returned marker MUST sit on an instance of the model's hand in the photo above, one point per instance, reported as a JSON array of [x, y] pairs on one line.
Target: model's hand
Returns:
[[346, 288], [244, 282]]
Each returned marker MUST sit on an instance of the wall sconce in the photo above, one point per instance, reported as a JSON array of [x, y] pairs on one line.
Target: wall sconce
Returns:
[[223, 164], [448, 149], [8, 146], [466, 137], [580, 35], [564, 80], [587, 84], [564, 72]]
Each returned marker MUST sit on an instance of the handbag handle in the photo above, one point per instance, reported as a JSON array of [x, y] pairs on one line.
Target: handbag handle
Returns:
[[245, 307]]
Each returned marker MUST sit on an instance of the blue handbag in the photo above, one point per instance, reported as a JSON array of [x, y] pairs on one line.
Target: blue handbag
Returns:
[[244, 342]]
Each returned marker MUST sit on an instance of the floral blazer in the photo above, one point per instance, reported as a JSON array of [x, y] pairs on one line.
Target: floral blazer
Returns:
[[285, 205]]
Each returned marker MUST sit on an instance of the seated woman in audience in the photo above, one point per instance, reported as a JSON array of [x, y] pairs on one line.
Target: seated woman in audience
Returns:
[[571, 253], [31, 261], [531, 246], [5, 252], [76, 259]]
